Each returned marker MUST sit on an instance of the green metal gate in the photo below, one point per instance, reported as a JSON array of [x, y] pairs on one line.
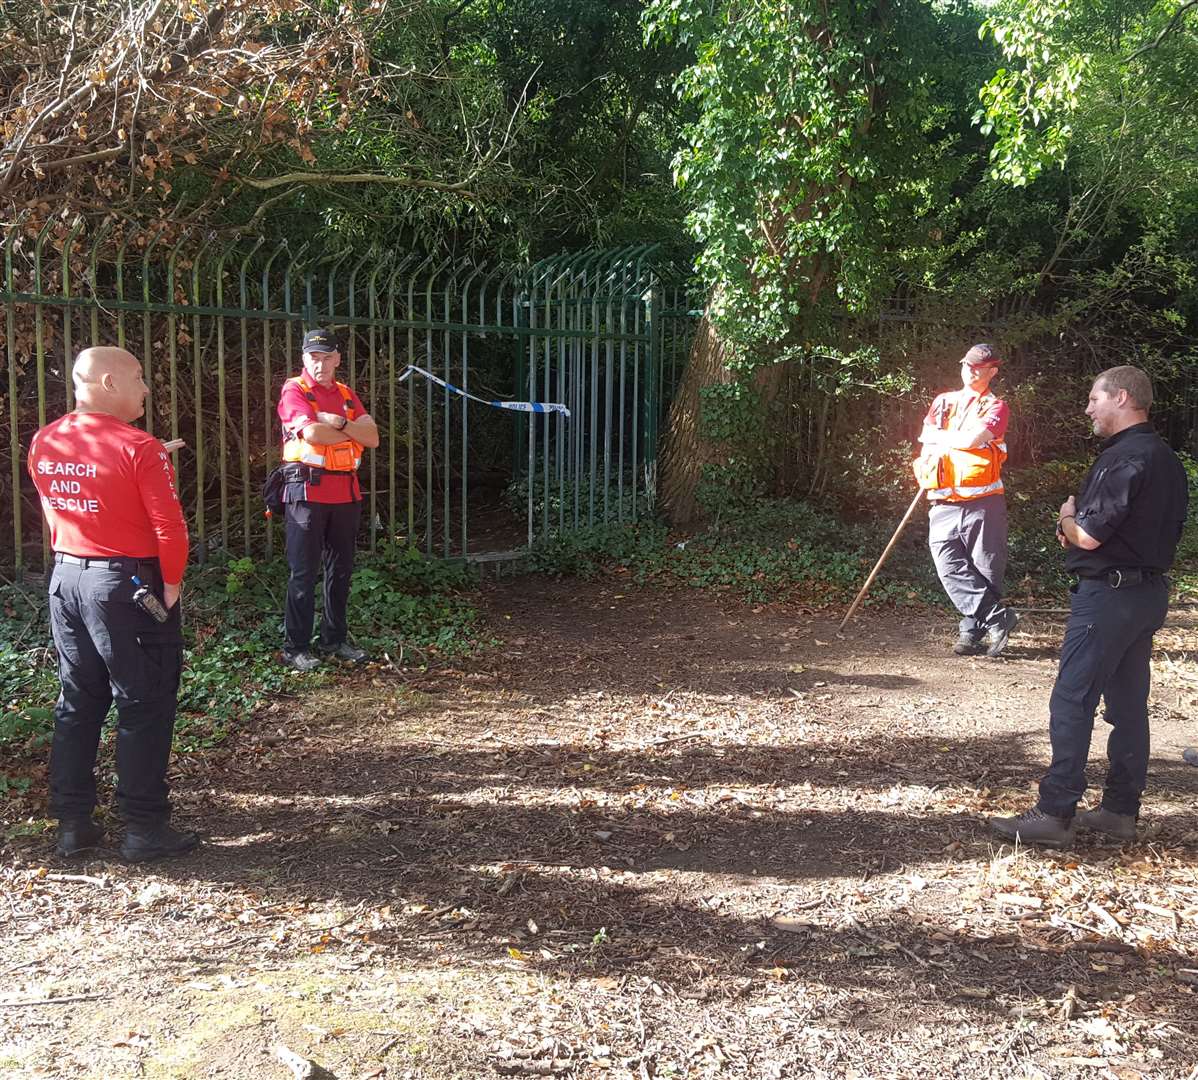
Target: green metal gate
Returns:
[[217, 327]]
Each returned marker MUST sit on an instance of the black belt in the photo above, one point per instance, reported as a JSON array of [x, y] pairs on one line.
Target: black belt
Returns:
[[109, 562], [1121, 579]]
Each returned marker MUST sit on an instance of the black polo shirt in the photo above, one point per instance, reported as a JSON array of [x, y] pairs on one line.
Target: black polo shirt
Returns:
[[1133, 501]]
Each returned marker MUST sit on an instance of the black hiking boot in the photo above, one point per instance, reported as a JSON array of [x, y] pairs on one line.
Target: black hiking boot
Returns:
[[301, 661], [1120, 826], [344, 651], [144, 843], [76, 835], [1005, 620], [1034, 826], [969, 645]]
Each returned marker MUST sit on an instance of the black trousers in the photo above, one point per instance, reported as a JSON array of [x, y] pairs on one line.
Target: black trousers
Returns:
[[109, 650], [319, 533], [1106, 651]]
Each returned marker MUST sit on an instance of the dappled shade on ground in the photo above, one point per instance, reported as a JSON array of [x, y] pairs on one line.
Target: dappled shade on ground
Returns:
[[645, 836]]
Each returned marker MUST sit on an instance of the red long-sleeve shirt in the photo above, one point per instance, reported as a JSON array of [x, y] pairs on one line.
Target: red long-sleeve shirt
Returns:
[[108, 489]]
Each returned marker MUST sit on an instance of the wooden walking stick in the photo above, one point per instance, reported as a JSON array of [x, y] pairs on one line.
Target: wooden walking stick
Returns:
[[878, 565]]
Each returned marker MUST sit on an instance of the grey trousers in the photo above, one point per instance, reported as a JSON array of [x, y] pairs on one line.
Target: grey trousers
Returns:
[[969, 546]]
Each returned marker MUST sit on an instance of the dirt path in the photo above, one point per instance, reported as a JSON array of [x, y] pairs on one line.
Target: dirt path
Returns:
[[650, 835]]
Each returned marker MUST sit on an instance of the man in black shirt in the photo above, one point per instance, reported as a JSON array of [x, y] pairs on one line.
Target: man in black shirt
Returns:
[[1120, 535]]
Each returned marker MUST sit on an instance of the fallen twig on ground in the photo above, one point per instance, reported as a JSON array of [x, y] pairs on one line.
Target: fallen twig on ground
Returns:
[[51, 1001]]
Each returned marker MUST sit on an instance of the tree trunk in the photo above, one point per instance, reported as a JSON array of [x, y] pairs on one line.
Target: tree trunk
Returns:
[[686, 451]]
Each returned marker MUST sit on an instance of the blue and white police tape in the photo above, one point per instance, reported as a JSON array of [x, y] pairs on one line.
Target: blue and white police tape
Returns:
[[514, 406]]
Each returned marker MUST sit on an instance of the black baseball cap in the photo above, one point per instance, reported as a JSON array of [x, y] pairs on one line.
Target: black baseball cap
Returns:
[[981, 354], [320, 341]]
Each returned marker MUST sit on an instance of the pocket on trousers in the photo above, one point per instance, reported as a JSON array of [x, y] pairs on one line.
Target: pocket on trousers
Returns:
[[163, 649], [1079, 666], [299, 513]]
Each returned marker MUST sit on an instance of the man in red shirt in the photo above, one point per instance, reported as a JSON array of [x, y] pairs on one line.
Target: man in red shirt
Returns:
[[325, 429], [108, 493], [964, 448]]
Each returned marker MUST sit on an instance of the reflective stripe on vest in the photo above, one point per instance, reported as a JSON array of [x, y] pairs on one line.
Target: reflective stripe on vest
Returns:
[[964, 494], [980, 464]]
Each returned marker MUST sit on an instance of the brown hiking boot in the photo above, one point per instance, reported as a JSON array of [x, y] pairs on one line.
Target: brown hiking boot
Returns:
[[1120, 826], [1034, 826]]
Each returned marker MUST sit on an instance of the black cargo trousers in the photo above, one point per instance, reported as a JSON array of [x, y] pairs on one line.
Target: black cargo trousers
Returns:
[[110, 651], [319, 535], [1106, 654]]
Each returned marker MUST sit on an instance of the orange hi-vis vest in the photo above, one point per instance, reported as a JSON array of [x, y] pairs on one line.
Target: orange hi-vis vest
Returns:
[[960, 475], [338, 457]]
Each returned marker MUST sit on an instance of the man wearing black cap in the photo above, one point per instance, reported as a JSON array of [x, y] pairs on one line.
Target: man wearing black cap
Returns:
[[325, 429], [961, 469]]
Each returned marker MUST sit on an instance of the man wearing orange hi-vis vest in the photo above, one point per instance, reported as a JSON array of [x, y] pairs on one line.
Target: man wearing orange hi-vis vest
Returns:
[[325, 428], [960, 467]]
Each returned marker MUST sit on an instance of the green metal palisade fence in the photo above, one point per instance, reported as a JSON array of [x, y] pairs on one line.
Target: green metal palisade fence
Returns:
[[217, 327]]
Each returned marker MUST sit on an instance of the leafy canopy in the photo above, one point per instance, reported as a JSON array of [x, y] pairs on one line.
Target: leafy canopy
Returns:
[[1062, 55], [809, 157]]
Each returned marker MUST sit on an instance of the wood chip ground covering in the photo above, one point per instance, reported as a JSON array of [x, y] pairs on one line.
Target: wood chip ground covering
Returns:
[[650, 834]]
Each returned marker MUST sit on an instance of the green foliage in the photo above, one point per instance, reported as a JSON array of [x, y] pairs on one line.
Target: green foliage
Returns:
[[731, 487], [224, 681], [838, 149], [731, 415], [1185, 576], [16, 784], [1036, 563], [233, 630], [621, 501], [810, 154], [1027, 105], [785, 548], [772, 547], [505, 126], [585, 553], [728, 410], [25, 682], [601, 121], [1067, 62], [28, 679], [511, 126]]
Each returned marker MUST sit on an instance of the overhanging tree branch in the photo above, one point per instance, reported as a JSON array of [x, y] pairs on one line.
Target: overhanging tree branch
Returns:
[[1169, 27], [264, 183]]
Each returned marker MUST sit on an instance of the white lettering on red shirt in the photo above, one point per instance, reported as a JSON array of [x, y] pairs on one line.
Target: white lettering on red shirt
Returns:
[[108, 490]]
